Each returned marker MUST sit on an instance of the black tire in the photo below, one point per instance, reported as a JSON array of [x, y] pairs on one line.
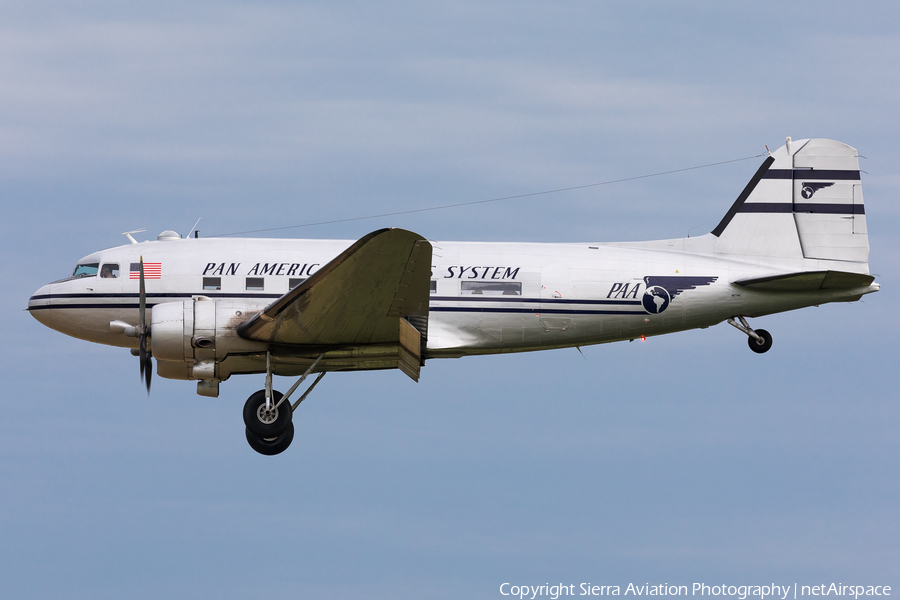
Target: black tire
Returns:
[[271, 446], [255, 405], [757, 347]]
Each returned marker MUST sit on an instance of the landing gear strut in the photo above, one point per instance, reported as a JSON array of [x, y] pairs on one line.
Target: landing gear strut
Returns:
[[759, 340], [268, 415]]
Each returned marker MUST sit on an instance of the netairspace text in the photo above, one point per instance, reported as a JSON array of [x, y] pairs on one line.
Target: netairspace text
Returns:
[[740, 592]]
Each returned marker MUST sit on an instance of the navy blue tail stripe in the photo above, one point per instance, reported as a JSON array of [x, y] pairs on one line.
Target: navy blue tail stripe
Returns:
[[830, 209], [806, 174], [766, 207], [748, 189], [802, 207]]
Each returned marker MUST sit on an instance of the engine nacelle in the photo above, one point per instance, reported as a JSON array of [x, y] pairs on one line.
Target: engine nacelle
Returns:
[[189, 338]]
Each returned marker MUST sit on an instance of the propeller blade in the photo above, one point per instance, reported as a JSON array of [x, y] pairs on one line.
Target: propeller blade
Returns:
[[146, 357], [148, 370], [143, 296], [143, 353]]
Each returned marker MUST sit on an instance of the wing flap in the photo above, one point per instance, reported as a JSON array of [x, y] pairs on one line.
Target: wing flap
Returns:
[[360, 298], [808, 281], [409, 350]]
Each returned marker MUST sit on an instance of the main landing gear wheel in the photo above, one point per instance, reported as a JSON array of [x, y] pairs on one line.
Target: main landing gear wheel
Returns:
[[267, 423], [760, 346], [269, 426], [271, 446]]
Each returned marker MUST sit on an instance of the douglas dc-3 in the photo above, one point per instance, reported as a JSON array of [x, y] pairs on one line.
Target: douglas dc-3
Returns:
[[209, 308]]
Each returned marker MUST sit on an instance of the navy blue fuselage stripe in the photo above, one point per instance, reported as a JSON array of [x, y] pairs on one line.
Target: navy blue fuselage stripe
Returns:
[[516, 299], [531, 311], [207, 294], [466, 309], [815, 174], [802, 207], [507, 299], [69, 306], [483, 309]]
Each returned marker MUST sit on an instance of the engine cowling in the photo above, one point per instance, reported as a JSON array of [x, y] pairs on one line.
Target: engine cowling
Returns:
[[190, 337]]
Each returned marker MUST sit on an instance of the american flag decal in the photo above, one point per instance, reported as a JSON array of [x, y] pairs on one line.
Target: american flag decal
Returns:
[[151, 271]]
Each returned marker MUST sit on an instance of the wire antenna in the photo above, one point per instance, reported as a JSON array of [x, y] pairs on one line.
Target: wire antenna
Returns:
[[194, 227], [474, 202]]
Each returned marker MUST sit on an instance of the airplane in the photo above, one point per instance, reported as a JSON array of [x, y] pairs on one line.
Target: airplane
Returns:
[[210, 308]]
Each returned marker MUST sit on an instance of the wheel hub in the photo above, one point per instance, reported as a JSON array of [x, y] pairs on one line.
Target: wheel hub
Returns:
[[267, 416]]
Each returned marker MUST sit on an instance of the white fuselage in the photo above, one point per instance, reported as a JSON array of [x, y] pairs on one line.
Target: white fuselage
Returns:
[[486, 297]]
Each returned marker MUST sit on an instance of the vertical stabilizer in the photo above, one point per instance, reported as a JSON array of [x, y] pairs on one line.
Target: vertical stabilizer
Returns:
[[805, 201]]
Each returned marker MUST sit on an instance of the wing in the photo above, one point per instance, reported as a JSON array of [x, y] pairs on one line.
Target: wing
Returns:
[[367, 296]]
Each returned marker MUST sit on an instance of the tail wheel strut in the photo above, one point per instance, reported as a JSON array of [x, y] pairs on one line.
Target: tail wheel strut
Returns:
[[759, 340]]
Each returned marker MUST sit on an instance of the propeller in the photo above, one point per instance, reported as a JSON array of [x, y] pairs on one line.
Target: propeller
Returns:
[[146, 357]]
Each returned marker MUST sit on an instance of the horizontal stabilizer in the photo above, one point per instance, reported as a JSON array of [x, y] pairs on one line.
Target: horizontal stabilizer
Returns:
[[808, 281]]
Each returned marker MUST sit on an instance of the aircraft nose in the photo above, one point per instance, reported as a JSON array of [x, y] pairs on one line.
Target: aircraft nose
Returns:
[[38, 305]]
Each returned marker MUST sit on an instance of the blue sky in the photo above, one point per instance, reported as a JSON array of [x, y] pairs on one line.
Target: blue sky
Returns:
[[681, 459]]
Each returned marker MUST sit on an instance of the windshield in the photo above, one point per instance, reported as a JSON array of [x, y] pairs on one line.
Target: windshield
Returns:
[[87, 270]]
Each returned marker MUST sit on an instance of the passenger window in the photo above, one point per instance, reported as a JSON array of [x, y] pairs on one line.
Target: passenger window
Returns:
[[88, 270], [433, 286], [109, 271], [212, 283], [490, 288], [292, 283], [255, 284]]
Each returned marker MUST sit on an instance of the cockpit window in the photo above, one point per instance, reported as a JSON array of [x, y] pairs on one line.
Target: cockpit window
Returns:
[[110, 271], [88, 270]]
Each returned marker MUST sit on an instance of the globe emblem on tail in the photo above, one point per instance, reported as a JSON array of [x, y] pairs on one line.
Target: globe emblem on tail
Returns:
[[810, 188], [656, 299]]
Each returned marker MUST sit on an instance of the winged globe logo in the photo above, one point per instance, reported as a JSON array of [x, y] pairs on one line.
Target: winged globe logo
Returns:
[[661, 289], [809, 188], [656, 299]]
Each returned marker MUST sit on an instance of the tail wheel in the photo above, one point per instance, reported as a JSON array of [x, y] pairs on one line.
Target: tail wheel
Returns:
[[274, 445], [760, 346], [266, 422]]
